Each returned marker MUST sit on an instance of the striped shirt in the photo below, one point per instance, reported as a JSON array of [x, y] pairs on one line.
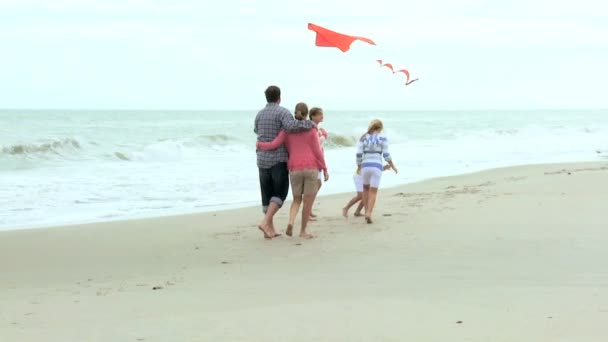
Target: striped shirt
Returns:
[[371, 149], [268, 123]]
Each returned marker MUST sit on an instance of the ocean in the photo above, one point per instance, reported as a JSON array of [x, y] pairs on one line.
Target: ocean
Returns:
[[79, 166]]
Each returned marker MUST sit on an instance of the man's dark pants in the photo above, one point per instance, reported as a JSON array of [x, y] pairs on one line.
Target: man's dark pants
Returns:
[[274, 184]]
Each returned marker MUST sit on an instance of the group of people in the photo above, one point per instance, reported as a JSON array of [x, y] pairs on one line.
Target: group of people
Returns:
[[289, 149]]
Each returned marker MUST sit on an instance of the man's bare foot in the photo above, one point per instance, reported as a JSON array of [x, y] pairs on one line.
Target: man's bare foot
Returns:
[[368, 219], [358, 214], [344, 212], [271, 231], [266, 235], [289, 231], [306, 236]]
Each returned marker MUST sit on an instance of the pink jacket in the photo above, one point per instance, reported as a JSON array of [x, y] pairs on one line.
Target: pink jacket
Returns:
[[303, 148]]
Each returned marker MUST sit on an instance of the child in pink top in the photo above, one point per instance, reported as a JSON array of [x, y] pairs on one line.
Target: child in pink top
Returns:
[[305, 161]]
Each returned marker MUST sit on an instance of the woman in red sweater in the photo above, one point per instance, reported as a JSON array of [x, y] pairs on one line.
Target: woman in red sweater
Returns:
[[305, 161]]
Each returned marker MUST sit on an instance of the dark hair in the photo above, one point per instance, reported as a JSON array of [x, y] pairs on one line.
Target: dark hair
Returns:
[[273, 94]]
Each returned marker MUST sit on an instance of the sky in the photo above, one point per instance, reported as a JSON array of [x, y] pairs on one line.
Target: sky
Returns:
[[216, 55]]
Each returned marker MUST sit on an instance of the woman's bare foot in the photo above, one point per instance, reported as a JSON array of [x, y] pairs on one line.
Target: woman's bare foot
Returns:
[[312, 217], [358, 214], [306, 236], [289, 231], [344, 212], [368, 219]]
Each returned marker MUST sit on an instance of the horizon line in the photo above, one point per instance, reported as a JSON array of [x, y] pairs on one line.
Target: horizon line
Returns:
[[341, 109]]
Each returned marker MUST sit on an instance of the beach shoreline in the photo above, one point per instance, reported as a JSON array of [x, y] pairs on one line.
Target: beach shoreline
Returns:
[[507, 254], [254, 204]]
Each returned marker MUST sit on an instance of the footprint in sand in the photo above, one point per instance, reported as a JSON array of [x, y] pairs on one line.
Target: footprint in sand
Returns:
[[514, 179], [104, 291]]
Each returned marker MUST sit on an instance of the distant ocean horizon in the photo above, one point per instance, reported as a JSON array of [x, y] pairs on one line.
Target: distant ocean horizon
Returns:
[[68, 166]]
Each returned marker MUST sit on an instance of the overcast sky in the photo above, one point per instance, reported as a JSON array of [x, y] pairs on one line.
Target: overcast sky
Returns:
[[191, 54]]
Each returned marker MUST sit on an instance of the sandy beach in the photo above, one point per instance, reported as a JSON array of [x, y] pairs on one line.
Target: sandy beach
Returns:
[[511, 254]]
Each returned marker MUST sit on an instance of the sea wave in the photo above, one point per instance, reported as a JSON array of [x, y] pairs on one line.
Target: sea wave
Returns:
[[338, 140], [121, 156], [222, 139], [59, 146]]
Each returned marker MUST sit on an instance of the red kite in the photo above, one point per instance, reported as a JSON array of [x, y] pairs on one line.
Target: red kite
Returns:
[[407, 74], [328, 38], [389, 65]]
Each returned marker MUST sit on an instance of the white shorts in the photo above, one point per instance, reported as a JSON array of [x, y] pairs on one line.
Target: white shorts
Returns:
[[371, 176], [358, 179]]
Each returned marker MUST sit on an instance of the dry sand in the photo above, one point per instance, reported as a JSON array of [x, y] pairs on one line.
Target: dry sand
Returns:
[[512, 254]]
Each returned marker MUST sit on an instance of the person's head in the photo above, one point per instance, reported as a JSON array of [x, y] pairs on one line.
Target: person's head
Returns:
[[273, 94], [301, 111], [375, 126], [316, 114]]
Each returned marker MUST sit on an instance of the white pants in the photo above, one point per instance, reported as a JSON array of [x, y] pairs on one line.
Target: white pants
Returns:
[[358, 179], [371, 176]]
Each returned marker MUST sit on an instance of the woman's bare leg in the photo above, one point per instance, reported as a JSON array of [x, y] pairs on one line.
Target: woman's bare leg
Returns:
[[365, 198], [306, 208], [293, 212], [371, 202]]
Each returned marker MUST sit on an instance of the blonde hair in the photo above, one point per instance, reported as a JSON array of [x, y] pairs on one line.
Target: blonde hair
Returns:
[[301, 111], [375, 126]]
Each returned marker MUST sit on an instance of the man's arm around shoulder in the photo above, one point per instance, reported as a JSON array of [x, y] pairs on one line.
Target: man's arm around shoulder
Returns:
[[292, 125]]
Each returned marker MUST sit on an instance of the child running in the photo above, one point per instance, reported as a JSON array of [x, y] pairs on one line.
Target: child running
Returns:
[[358, 180]]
